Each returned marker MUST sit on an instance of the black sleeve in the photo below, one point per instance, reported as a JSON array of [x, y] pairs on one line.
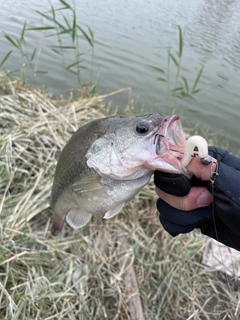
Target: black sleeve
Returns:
[[226, 190], [226, 200], [224, 157], [218, 230]]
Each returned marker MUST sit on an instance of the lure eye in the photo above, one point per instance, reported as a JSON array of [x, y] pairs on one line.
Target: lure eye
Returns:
[[142, 127]]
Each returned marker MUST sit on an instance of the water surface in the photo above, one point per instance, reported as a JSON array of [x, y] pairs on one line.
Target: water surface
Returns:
[[128, 35]]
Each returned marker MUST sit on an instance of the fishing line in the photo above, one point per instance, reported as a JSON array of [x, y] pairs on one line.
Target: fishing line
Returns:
[[214, 175]]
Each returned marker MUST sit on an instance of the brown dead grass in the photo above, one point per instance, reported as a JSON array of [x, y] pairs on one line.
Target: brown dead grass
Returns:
[[80, 275]]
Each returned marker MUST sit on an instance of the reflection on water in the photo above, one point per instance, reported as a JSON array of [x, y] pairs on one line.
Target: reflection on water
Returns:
[[218, 28], [127, 36]]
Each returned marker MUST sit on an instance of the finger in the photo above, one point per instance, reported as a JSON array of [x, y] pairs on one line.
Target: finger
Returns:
[[198, 197], [173, 228], [201, 171], [176, 184]]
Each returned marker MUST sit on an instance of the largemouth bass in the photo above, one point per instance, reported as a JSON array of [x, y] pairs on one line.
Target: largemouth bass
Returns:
[[108, 161]]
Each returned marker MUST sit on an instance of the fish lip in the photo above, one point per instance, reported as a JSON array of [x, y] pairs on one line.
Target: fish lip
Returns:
[[170, 136], [170, 142]]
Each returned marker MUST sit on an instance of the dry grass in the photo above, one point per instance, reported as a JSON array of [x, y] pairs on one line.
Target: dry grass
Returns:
[[80, 275]]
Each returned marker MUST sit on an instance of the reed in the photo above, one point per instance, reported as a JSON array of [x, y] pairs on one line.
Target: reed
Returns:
[[177, 84], [82, 274], [61, 24]]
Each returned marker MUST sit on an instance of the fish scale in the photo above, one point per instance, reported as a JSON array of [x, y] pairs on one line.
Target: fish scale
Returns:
[[108, 161]]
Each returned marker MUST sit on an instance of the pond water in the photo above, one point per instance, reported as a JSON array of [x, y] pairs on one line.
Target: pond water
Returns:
[[130, 35]]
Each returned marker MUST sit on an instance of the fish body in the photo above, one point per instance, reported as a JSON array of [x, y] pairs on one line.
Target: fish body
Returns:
[[108, 161]]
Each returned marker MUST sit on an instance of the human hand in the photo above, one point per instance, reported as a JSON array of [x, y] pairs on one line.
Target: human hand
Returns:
[[187, 204], [184, 194], [178, 204]]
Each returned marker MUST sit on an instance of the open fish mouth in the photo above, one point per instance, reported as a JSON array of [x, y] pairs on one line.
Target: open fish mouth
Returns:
[[170, 137]]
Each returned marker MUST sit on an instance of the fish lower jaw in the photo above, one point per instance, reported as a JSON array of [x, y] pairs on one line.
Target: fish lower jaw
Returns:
[[171, 163], [185, 171], [179, 166]]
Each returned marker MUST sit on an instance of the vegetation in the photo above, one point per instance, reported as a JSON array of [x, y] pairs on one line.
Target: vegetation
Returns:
[[177, 84], [82, 274], [61, 24], [63, 27]]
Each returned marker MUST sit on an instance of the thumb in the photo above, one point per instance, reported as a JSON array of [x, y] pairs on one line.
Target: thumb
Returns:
[[198, 197]]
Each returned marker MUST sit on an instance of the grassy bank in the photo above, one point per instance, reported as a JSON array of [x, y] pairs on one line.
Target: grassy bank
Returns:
[[85, 274]]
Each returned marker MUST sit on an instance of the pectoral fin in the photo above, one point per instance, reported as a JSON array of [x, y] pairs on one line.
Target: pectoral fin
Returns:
[[113, 212], [89, 183], [77, 219]]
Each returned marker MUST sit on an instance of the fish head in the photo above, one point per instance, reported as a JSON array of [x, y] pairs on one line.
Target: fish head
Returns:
[[132, 146]]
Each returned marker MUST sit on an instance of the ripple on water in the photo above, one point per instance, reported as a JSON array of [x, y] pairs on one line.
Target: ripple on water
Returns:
[[127, 34]]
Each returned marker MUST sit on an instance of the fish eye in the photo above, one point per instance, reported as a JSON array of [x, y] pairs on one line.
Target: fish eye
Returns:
[[142, 127]]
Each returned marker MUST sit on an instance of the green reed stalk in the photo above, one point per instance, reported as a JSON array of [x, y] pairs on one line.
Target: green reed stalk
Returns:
[[177, 86], [63, 21]]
